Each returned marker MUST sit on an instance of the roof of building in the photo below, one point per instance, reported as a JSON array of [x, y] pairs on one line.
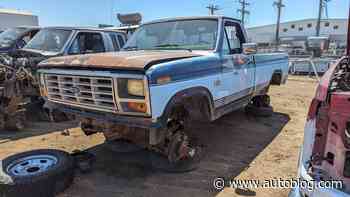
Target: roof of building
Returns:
[[300, 21], [17, 12]]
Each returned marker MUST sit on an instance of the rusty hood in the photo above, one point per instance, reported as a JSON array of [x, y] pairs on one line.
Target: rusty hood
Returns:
[[131, 60]]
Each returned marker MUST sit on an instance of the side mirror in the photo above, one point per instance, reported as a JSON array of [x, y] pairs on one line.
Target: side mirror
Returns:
[[250, 48]]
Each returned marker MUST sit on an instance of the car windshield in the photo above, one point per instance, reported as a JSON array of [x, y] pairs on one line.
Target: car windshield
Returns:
[[8, 37], [175, 35], [51, 40]]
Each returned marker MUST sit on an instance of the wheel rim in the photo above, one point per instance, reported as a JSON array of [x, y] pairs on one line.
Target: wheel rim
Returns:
[[32, 165]]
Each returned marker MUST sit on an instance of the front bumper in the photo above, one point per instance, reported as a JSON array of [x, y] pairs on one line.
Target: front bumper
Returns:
[[132, 121]]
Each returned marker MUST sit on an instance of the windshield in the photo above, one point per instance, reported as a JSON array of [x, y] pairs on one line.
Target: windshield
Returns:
[[51, 40], [175, 35], [8, 37]]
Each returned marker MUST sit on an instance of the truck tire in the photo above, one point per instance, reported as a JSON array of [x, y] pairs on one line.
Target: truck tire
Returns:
[[38, 173], [260, 106]]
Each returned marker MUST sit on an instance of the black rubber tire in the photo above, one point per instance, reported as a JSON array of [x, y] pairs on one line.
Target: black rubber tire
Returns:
[[259, 111], [46, 184]]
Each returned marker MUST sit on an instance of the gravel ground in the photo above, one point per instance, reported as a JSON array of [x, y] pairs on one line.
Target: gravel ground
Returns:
[[239, 146]]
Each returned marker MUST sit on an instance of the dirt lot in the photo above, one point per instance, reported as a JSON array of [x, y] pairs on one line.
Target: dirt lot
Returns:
[[239, 146]]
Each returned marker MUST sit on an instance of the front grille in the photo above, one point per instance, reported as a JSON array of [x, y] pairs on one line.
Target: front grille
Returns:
[[84, 91]]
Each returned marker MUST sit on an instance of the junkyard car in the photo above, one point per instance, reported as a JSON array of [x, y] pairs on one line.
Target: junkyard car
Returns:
[[325, 155], [16, 38], [18, 84], [171, 74]]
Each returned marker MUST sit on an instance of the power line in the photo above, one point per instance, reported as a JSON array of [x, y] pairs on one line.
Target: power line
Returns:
[[243, 10], [279, 4], [212, 9]]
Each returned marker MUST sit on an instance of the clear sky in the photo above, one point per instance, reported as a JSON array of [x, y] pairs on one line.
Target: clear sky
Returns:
[[93, 12]]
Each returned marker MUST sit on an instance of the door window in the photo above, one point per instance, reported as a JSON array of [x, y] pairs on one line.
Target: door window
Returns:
[[234, 38], [26, 38], [87, 42]]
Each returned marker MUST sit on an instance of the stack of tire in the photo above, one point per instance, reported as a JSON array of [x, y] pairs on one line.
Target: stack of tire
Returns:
[[38, 173]]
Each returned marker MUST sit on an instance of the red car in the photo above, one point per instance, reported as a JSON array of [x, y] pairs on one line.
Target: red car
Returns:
[[325, 156]]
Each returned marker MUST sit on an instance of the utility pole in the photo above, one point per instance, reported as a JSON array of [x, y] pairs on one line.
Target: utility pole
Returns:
[[322, 5], [212, 9], [243, 10], [279, 4]]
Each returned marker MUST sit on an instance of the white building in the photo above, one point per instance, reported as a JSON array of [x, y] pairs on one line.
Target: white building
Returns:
[[298, 31], [13, 18]]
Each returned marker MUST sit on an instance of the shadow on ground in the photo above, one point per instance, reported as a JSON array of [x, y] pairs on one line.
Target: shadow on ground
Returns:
[[35, 129], [233, 143]]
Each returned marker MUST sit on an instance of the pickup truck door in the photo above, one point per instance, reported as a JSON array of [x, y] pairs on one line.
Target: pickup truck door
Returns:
[[238, 69]]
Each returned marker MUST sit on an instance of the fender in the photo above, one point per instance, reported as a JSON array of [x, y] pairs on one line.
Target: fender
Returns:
[[180, 98]]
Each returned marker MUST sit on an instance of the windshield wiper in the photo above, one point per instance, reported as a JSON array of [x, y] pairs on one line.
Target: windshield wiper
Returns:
[[167, 45], [172, 46]]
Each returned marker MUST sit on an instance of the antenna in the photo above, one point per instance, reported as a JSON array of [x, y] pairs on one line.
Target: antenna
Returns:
[[243, 10], [212, 9]]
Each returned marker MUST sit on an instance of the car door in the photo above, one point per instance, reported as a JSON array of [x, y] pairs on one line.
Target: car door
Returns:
[[238, 69]]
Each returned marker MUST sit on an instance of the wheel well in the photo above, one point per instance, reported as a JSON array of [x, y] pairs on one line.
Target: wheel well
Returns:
[[276, 77], [197, 103]]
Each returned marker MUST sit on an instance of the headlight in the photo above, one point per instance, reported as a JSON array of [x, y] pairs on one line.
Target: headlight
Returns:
[[136, 87]]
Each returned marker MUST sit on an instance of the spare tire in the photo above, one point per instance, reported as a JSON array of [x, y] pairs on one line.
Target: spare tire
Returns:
[[38, 173]]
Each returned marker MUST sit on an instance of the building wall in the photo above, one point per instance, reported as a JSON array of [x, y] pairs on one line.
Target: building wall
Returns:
[[12, 19], [336, 29]]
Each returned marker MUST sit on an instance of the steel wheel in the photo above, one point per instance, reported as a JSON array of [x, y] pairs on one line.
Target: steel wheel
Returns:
[[31, 165]]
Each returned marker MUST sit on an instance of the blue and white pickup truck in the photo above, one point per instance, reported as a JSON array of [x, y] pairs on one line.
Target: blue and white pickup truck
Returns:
[[170, 74]]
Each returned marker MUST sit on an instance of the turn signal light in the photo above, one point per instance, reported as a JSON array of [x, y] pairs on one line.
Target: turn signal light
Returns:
[[163, 80], [138, 107]]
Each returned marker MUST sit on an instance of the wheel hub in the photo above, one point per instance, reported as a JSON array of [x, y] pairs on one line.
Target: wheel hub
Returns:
[[32, 165]]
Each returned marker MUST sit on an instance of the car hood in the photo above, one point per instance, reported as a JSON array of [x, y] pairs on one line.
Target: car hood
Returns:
[[131, 60]]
